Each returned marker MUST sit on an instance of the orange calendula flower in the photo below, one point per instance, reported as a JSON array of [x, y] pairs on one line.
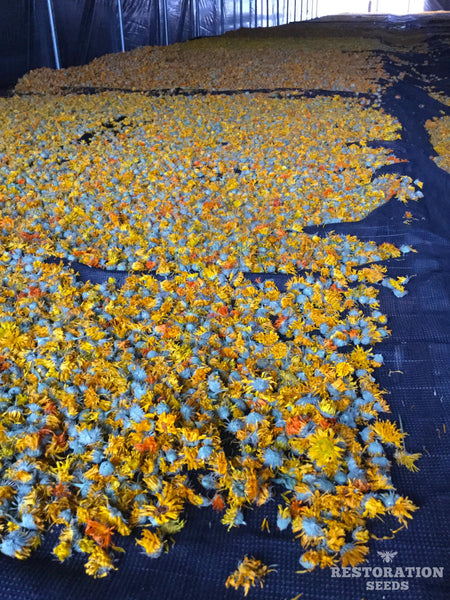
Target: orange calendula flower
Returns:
[[99, 532]]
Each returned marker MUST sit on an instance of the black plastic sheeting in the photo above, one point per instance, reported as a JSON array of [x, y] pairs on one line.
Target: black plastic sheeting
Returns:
[[437, 5], [85, 29], [416, 374]]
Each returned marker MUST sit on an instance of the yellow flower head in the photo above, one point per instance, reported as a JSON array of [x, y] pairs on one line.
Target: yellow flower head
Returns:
[[323, 448], [249, 572]]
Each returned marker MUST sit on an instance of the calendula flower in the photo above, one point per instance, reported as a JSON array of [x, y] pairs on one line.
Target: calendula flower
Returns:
[[284, 517], [388, 432], [99, 532], [151, 543], [408, 460], [311, 529], [373, 507], [353, 554], [99, 563], [249, 573], [402, 509], [324, 449]]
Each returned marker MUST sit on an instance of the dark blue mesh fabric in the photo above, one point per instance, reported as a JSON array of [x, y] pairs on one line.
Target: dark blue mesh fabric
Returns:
[[416, 375]]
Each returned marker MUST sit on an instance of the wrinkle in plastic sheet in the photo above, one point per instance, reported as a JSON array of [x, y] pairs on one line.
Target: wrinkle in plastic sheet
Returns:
[[140, 21], [15, 40], [214, 17], [86, 29], [432, 5]]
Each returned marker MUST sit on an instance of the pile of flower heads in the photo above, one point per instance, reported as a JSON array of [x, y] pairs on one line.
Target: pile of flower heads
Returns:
[[192, 383], [439, 131], [114, 401], [242, 60], [439, 96], [135, 183]]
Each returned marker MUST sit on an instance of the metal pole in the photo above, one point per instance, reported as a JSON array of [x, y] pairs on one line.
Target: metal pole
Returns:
[[53, 32], [267, 13], [222, 17], [122, 39], [157, 24], [241, 18], [197, 18], [278, 12], [165, 26], [256, 14]]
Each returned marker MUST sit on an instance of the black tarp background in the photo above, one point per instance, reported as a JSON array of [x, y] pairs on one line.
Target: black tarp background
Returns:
[[85, 29], [15, 41], [437, 5]]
